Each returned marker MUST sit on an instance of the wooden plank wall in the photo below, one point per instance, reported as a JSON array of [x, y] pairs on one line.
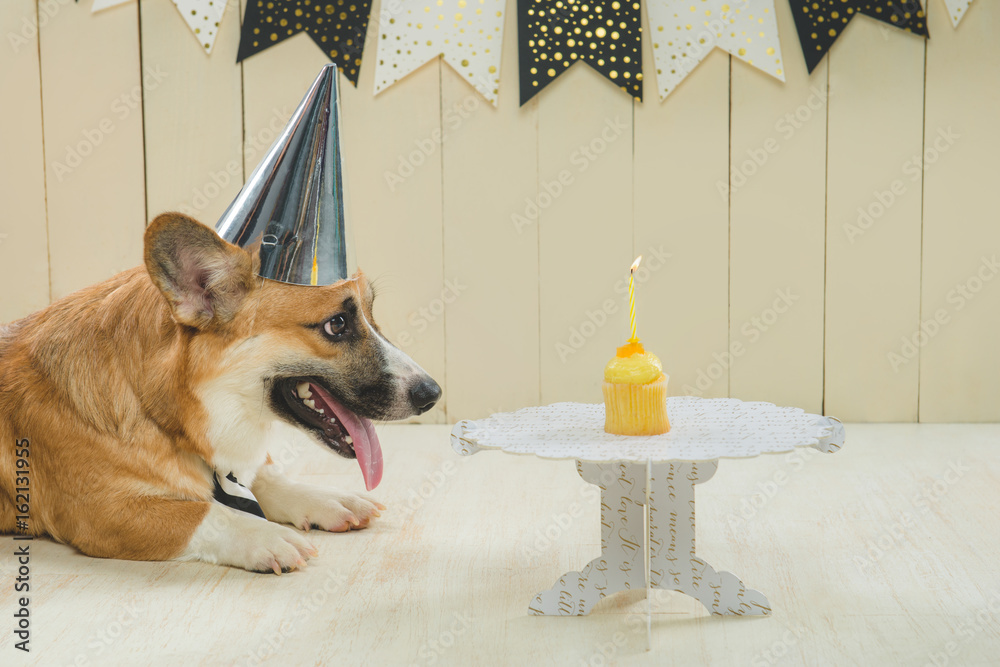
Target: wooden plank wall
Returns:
[[795, 250]]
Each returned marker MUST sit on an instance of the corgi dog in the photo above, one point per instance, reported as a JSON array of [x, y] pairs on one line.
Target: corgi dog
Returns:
[[127, 408]]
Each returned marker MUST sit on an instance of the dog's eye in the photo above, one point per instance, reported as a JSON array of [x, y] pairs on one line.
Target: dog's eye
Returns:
[[336, 326]]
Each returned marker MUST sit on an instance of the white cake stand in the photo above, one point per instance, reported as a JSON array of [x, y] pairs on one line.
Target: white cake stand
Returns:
[[648, 481]]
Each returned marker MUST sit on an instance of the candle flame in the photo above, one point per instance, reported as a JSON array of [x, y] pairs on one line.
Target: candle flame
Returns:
[[635, 264]]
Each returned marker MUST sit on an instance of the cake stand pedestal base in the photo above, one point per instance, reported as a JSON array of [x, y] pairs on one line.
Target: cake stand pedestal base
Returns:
[[648, 541]]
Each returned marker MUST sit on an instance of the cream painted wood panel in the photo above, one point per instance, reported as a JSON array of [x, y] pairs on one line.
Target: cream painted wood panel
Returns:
[[959, 355], [682, 230], [396, 227], [92, 113], [777, 228], [490, 167], [194, 118], [873, 220], [24, 249], [586, 234]]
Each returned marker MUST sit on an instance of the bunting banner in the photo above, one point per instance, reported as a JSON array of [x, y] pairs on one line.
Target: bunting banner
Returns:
[[956, 10], [338, 27], [684, 34], [468, 34], [202, 17], [820, 22], [554, 34]]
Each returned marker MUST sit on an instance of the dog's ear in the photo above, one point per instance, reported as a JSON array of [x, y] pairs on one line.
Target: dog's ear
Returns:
[[204, 278]]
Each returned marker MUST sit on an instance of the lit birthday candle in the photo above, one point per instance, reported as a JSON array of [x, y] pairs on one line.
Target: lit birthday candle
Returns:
[[631, 300]]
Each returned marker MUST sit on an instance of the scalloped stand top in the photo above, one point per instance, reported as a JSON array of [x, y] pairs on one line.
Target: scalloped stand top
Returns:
[[702, 429]]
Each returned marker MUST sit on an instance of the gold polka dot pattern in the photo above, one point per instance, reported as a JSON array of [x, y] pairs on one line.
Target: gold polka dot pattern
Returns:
[[467, 33], [820, 22], [684, 32], [337, 26], [555, 34]]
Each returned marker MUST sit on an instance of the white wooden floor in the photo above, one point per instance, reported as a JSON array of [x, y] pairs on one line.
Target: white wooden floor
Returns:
[[877, 555]]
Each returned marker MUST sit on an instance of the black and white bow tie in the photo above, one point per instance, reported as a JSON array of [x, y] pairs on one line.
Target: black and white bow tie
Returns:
[[231, 493]]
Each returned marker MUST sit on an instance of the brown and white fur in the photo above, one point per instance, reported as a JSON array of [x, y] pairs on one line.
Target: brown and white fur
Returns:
[[132, 391]]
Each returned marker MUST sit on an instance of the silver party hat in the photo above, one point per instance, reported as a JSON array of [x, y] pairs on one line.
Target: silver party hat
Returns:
[[293, 202]]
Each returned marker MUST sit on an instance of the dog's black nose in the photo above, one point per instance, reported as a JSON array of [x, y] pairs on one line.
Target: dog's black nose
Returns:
[[424, 394]]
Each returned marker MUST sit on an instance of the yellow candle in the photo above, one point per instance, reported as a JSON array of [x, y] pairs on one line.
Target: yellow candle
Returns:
[[631, 299]]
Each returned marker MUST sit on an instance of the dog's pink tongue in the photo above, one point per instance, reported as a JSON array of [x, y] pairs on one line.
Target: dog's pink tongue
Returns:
[[366, 444], [367, 448], [365, 440]]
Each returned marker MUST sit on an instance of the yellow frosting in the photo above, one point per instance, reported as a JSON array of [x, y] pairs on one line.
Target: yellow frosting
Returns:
[[639, 367]]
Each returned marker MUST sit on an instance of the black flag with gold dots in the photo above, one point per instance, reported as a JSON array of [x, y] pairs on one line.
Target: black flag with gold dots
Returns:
[[554, 34], [820, 22], [337, 26]]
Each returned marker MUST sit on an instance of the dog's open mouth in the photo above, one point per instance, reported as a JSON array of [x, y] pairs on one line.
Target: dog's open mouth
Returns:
[[340, 429]]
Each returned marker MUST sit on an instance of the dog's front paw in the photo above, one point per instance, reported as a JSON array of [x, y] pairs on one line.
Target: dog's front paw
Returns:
[[274, 548], [309, 505], [234, 538], [335, 512]]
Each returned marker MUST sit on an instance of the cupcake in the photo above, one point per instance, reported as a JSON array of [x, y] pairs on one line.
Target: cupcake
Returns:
[[635, 393]]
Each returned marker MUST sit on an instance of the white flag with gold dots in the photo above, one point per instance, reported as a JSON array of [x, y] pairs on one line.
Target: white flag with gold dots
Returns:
[[956, 10], [684, 32], [467, 33]]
